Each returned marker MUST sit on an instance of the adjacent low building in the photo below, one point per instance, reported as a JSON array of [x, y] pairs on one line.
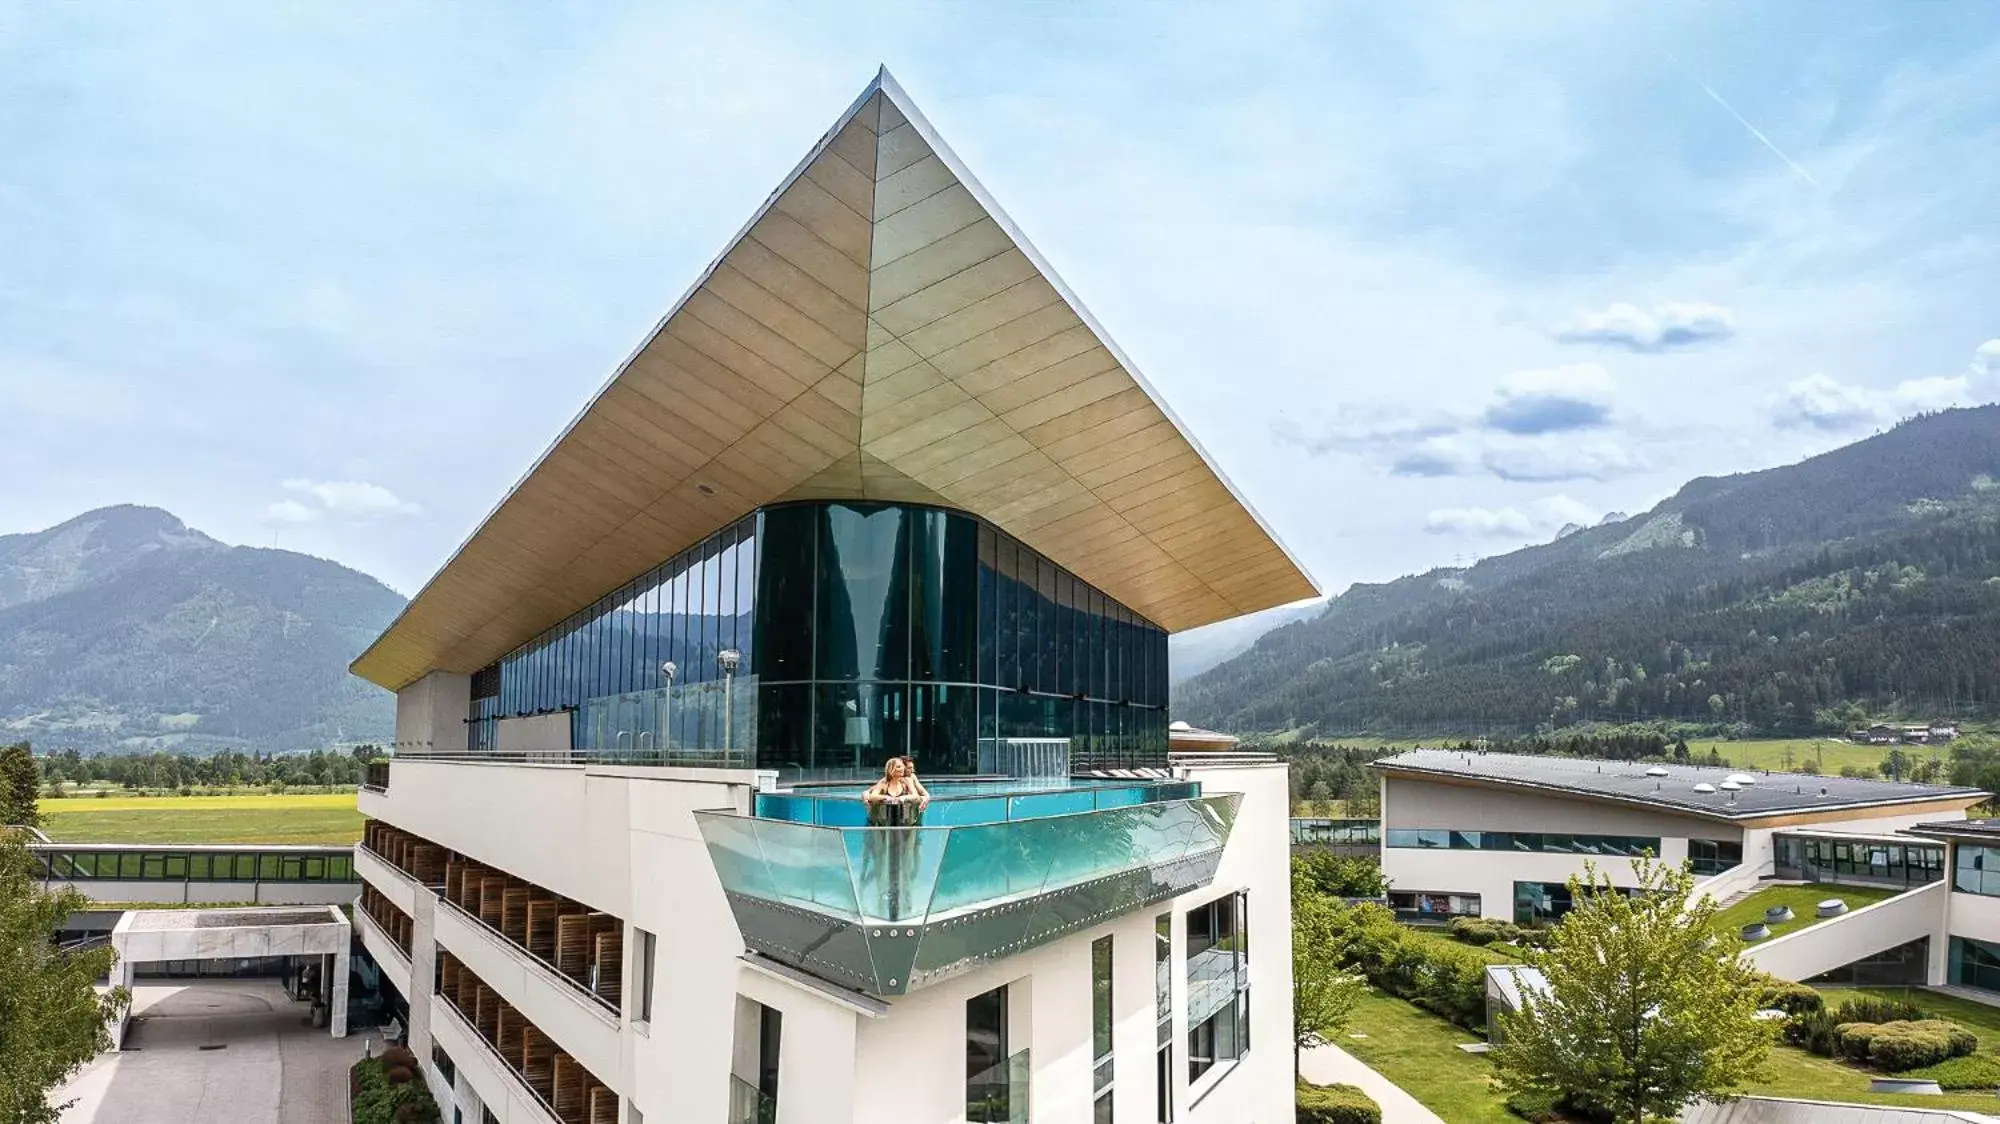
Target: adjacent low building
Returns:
[[878, 487], [1499, 835]]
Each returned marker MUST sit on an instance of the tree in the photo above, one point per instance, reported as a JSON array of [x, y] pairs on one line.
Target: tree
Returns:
[[20, 784], [1323, 994], [1646, 1009], [51, 1018]]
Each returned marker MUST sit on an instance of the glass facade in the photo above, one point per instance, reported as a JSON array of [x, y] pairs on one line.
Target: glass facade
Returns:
[[861, 631], [141, 864], [1540, 903], [1100, 1030], [1848, 859], [1538, 841]]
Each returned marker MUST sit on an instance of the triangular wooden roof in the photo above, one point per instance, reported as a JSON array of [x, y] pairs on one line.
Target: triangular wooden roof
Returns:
[[880, 330]]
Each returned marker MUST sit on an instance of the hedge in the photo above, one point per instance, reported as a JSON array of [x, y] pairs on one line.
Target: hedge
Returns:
[[1793, 999], [1965, 1074], [1336, 1104], [1436, 974]]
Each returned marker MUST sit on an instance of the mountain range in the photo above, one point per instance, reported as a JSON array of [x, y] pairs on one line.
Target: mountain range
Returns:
[[124, 628], [1864, 581]]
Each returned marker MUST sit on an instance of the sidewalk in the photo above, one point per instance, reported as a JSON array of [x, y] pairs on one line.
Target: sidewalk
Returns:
[[1331, 1065]]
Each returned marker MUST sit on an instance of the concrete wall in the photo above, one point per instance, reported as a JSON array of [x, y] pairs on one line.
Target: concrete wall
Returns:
[[1829, 944], [215, 893], [431, 714], [532, 733]]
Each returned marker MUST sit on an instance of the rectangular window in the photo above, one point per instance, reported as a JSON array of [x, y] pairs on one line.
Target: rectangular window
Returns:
[[986, 1084], [1218, 972], [1100, 1024], [1163, 1010], [1978, 870], [648, 945]]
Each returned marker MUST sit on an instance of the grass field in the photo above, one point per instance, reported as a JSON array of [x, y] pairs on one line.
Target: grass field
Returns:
[[261, 818], [1419, 1051], [1804, 901]]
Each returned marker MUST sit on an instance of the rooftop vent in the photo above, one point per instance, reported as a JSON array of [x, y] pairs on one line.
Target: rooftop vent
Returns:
[[1822, 791], [1704, 787], [1729, 785], [1742, 779], [1656, 771]]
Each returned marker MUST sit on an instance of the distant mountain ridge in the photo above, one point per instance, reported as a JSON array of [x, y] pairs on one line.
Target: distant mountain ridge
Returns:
[[1866, 579], [125, 628]]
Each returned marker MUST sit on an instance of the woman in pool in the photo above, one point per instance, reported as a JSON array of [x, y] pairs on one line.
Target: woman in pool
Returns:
[[895, 802]]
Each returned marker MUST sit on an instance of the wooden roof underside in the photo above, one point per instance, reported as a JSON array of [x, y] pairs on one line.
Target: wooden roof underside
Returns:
[[879, 331]]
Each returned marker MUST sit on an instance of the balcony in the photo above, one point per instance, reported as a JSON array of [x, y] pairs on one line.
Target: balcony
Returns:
[[992, 869], [559, 1084]]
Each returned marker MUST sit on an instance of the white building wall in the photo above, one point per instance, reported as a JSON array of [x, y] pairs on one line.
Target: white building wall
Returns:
[[1834, 942], [1492, 874], [624, 841]]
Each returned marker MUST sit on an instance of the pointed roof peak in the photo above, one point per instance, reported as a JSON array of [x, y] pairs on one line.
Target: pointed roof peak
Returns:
[[879, 330]]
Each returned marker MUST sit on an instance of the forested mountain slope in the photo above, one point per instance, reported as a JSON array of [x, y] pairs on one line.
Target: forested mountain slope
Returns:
[[123, 628], [1866, 579]]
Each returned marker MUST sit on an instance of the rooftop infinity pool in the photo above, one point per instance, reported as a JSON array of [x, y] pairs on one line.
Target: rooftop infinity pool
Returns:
[[969, 803]]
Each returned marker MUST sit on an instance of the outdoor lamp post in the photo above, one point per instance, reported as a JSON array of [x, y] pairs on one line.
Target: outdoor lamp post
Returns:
[[667, 673], [728, 659]]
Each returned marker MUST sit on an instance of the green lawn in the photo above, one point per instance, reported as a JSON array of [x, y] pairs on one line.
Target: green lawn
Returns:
[[1419, 1051], [1804, 901], [262, 818], [1795, 1073], [1825, 755]]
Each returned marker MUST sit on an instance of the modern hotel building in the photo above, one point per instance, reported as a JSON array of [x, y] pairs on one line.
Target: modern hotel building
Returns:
[[878, 485]]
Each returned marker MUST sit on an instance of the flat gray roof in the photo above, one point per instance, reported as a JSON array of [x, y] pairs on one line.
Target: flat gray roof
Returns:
[[1985, 831], [1668, 787]]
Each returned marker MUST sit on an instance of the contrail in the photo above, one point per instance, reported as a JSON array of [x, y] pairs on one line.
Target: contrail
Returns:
[[1745, 122]]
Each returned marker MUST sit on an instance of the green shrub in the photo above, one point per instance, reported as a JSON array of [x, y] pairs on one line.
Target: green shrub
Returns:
[[1853, 1039], [1336, 1104], [1896, 1047], [1482, 930], [1791, 998], [1879, 1009], [378, 1101], [1962, 1074], [1535, 1106]]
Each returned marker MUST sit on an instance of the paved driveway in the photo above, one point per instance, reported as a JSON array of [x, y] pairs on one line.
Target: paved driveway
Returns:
[[226, 1050]]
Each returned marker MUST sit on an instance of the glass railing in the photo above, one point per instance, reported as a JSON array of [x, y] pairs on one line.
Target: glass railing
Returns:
[[999, 1094], [967, 803], [749, 1104], [696, 723], [871, 887]]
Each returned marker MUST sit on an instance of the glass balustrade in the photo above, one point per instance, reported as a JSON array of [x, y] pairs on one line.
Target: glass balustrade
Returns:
[[886, 909]]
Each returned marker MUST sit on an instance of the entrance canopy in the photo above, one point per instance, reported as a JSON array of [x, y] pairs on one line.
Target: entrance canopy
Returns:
[[152, 935]]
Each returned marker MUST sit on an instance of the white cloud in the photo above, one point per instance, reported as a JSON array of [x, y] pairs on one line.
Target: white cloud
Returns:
[[1819, 402], [1536, 458], [353, 499], [1666, 326], [1544, 516], [290, 511], [1986, 360]]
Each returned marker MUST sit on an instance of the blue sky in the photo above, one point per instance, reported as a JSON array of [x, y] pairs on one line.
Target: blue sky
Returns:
[[1428, 280]]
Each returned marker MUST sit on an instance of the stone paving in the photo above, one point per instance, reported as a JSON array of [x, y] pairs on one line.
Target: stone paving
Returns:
[[240, 1051]]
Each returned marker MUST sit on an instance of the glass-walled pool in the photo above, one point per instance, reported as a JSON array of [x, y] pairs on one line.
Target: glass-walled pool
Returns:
[[955, 803]]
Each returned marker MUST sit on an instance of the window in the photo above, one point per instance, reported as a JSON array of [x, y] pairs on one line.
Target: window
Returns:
[[648, 946], [1163, 1006], [1100, 1028], [444, 1065], [1218, 974], [1978, 871], [1437, 838], [986, 1084], [1713, 856], [1432, 905], [1975, 964]]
